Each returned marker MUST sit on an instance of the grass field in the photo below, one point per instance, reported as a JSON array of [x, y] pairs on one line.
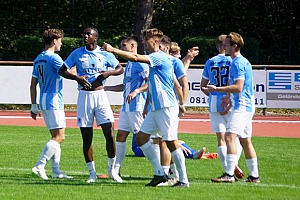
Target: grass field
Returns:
[[279, 166]]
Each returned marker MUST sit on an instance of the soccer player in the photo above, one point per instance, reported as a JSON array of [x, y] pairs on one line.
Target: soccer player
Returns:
[[163, 116], [180, 74], [131, 114], [188, 58], [216, 71], [175, 50], [92, 65], [164, 154], [188, 151], [243, 108], [44, 74]]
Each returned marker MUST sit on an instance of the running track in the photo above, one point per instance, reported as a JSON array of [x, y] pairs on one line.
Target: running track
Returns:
[[272, 126]]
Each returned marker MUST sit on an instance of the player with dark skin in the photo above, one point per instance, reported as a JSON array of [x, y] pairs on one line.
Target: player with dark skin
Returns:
[[90, 37]]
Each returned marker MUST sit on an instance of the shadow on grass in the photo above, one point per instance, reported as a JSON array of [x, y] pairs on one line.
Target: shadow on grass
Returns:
[[77, 180], [133, 156]]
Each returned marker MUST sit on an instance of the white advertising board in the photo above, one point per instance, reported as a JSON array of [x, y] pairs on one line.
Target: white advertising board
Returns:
[[198, 98], [273, 88], [283, 90], [15, 83]]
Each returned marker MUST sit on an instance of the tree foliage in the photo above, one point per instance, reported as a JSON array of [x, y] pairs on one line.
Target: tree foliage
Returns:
[[274, 24], [143, 19]]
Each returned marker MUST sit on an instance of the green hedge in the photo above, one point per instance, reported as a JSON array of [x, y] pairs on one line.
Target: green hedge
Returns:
[[28, 47], [208, 49]]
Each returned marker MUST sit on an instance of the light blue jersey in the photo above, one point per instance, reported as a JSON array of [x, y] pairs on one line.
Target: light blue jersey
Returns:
[[216, 71], [45, 69], [134, 76], [161, 85], [91, 63], [179, 69], [241, 69]]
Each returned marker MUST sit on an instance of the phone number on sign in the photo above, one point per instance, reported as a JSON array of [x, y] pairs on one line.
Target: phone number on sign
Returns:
[[203, 101], [198, 100]]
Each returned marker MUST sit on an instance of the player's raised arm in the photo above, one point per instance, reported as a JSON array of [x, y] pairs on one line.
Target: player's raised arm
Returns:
[[191, 54], [125, 54]]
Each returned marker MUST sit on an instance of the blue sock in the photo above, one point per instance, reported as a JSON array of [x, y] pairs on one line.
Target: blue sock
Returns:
[[135, 148], [189, 148]]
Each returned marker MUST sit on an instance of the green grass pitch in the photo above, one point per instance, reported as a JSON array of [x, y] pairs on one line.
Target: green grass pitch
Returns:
[[279, 168]]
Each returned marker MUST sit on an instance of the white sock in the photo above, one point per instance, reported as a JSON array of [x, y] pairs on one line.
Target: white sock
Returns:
[[47, 153], [222, 152], [166, 169], [231, 162], [150, 154], [239, 149], [55, 160], [252, 165], [157, 151], [120, 155], [174, 170], [91, 167], [111, 162], [179, 161]]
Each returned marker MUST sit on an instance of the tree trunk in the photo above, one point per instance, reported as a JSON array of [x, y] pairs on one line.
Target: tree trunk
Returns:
[[143, 20]]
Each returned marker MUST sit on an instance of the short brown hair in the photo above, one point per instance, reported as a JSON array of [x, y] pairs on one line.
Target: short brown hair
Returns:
[[235, 38], [130, 37], [165, 40], [51, 34], [153, 32]]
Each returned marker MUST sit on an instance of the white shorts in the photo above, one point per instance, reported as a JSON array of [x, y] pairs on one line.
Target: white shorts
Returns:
[[93, 104], [54, 119], [218, 122], [130, 121], [163, 121], [240, 123]]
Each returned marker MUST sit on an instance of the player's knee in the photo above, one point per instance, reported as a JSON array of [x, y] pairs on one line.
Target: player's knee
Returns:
[[142, 138], [121, 136]]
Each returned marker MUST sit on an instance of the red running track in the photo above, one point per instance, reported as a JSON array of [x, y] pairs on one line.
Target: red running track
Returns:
[[272, 126]]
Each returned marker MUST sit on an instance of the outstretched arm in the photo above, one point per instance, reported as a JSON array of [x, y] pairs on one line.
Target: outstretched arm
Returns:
[[117, 71], [114, 88], [125, 54], [237, 87]]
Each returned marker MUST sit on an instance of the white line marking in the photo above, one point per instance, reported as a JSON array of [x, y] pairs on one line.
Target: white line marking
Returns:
[[184, 120]]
